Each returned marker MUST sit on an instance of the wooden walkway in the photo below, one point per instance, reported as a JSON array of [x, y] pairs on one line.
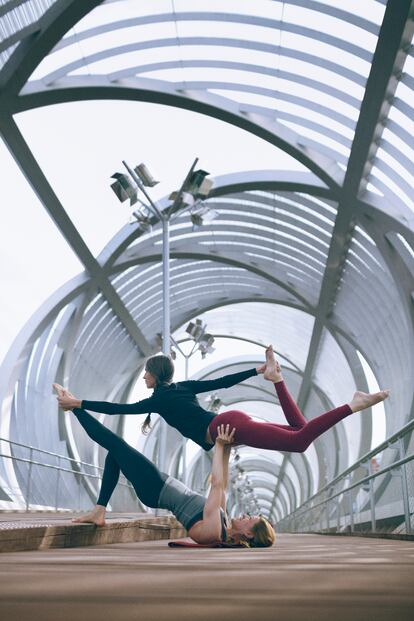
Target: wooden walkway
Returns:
[[303, 577]]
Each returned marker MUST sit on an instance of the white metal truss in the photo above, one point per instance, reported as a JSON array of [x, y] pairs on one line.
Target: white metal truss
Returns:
[[319, 244]]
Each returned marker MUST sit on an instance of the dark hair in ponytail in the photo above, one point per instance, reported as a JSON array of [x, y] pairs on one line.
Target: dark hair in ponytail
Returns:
[[146, 425], [162, 368]]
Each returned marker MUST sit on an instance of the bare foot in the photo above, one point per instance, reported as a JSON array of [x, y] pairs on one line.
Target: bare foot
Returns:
[[96, 516], [273, 372], [61, 391], [362, 400]]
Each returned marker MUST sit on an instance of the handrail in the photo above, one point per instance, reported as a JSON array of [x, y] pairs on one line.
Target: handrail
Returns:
[[360, 482], [39, 450], [80, 472], [39, 463], [309, 505], [362, 460]]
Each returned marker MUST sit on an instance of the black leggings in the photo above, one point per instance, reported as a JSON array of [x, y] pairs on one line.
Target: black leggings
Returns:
[[146, 479]]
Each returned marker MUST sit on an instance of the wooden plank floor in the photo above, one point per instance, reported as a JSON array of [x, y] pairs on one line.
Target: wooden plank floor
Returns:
[[37, 531], [306, 577]]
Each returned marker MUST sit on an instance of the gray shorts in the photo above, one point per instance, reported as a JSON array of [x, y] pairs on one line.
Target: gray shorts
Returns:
[[180, 500]]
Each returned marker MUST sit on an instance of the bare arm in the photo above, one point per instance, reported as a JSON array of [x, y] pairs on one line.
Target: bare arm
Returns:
[[211, 529], [226, 458]]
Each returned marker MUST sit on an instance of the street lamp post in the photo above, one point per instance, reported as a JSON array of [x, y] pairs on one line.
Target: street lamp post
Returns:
[[194, 187], [203, 342], [164, 219]]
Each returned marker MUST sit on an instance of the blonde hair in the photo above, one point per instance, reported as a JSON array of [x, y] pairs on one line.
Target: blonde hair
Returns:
[[263, 536]]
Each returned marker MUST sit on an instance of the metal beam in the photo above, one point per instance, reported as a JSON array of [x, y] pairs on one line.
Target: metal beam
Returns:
[[34, 175], [9, 6], [83, 88], [30, 52], [258, 46], [233, 18], [389, 55]]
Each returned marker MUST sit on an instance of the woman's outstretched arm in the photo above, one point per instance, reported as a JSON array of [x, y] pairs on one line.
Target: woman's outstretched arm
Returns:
[[211, 514], [197, 386], [226, 458], [106, 407], [67, 401]]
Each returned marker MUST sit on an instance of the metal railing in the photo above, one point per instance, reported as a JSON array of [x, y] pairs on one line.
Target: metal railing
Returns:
[[337, 505], [74, 467]]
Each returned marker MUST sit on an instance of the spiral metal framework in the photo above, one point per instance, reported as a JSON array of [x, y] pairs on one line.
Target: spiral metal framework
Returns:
[[323, 258]]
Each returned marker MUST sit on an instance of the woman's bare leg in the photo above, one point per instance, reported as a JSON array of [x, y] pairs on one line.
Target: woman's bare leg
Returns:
[[301, 433]]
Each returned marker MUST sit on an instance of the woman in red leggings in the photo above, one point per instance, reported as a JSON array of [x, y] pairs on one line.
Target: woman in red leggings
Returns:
[[299, 433], [178, 405]]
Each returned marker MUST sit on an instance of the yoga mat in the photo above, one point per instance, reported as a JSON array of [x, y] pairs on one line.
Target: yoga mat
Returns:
[[189, 543]]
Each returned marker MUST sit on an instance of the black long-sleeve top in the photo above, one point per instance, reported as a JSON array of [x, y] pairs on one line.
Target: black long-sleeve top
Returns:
[[177, 404]]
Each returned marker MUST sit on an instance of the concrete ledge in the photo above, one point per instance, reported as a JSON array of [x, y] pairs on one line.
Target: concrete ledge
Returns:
[[34, 532]]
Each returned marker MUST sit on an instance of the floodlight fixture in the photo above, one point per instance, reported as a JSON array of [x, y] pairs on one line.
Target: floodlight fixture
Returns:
[[205, 187], [145, 176], [195, 187], [205, 344], [197, 184], [201, 214], [195, 329], [204, 340], [143, 216], [182, 199], [124, 188]]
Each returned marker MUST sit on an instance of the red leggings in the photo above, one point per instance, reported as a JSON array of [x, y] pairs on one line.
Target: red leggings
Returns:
[[295, 437]]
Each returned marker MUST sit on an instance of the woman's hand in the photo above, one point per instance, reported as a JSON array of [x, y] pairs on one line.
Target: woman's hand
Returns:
[[261, 369], [65, 399], [68, 402], [225, 437]]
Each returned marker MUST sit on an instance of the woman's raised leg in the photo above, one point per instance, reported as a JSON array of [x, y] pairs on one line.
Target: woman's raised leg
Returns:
[[278, 437], [300, 433], [146, 479], [109, 481]]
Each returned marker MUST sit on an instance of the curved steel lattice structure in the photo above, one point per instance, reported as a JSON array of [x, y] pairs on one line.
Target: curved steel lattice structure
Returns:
[[321, 261]]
